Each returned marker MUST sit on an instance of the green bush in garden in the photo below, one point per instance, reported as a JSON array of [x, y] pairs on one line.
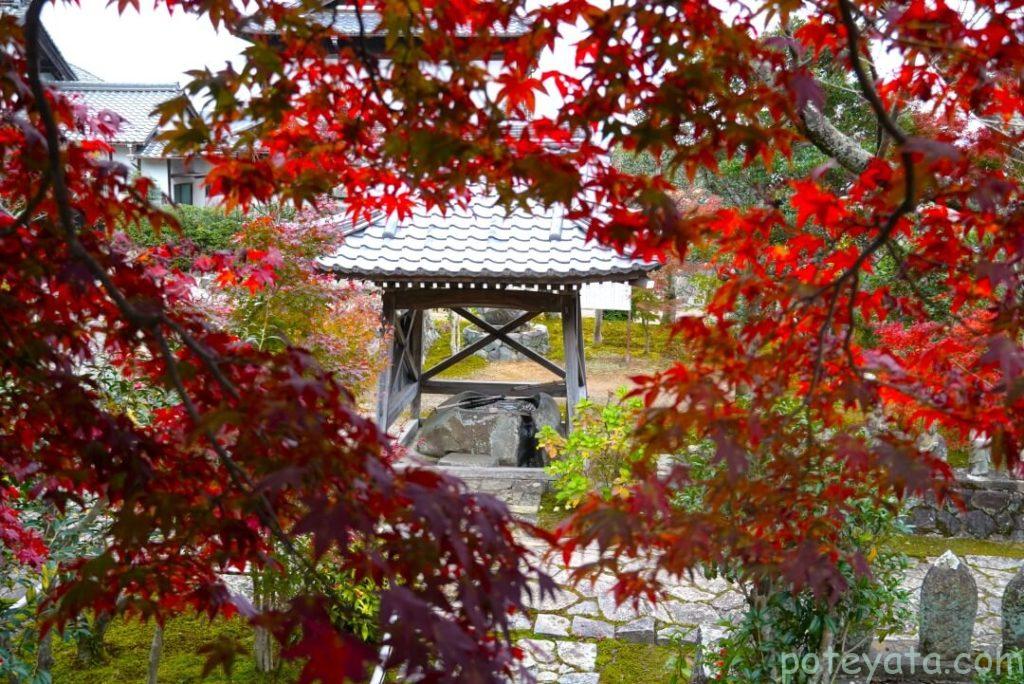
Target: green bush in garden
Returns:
[[778, 621], [1007, 670], [597, 455], [207, 229]]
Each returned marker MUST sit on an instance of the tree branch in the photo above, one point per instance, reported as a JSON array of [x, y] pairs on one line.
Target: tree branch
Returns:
[[867, 85], [823, 134], [149, 322], [833, 142]]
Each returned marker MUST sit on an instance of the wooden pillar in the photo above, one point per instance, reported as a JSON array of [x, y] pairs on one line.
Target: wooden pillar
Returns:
[[416, 347], [581, 348], [572, 344], [387, 322]]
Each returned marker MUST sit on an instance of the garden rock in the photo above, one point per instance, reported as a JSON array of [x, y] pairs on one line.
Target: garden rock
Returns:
[[518, 622], [992, 502], [534, 337], [580, 678], [551, 625], [581, 656], [588, 608], [949, 604], [620, 612], [469, 460], [947, 523], [979, 524], [537, 651], [678, 634], [639, 631], [498, 316], [503, 429], [561, 599], [592, 629], [922, 519], [1013, 613], [690, 613]]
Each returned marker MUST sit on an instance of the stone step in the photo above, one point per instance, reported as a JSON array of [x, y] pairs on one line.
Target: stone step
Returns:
[[520, 488]]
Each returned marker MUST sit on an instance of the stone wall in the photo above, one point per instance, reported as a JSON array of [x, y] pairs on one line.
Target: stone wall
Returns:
[[520, 488], [995, 510]]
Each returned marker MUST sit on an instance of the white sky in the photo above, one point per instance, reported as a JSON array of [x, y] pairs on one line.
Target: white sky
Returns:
[[153, 46], [146, 47]]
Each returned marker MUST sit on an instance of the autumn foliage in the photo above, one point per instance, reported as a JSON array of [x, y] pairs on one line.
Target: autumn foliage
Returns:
[[780, 375]]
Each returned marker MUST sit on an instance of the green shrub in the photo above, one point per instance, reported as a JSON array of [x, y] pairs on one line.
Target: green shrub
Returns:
[[1009, 669], [598, 454], [779, 621], [208, 229]]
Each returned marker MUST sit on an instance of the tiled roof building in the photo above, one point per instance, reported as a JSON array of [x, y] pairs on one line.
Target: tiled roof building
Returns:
[[478, 255], [480, 243], [133, 102]]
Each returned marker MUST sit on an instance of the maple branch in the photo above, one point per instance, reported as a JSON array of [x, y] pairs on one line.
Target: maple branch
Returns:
[[137, 318], [848, 338], [819, 130], [208, 357], [819, 353], [239, 477], [33, 26], [909, 202], [824, 135], [367, 60], [867, 85]]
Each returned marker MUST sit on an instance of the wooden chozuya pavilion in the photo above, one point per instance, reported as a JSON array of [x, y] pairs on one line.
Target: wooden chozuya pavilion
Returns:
[[478, 255]]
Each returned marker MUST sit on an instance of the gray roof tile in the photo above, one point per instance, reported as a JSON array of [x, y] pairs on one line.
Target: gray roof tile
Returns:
[[134, 102], [84, 74], [346, 22], [482, 243]]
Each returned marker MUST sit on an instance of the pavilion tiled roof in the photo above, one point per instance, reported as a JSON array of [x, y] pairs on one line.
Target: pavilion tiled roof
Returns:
[[480, 243]]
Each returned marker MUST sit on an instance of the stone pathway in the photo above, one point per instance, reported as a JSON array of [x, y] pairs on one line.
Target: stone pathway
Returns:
[[561, 633]]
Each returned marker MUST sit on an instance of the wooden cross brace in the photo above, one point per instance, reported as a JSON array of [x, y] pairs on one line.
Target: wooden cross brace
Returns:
[[492, 334]]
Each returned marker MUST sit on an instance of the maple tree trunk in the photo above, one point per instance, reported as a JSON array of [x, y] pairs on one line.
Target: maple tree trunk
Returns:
[[629, 336], [453, 322], [91, 649], [155, 651], [824, 674], [263, 642], [598, 324], [263, 651], [669, 311], [647, 336], [44, 656]]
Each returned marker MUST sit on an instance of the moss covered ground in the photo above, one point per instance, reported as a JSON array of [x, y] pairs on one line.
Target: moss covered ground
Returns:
[[621, 662], [930, 547], [613, 344], [441, 350], [127, 659], [128, 644]]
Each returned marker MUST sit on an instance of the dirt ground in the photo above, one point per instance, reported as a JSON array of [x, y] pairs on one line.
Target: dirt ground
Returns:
[[604, 375]]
